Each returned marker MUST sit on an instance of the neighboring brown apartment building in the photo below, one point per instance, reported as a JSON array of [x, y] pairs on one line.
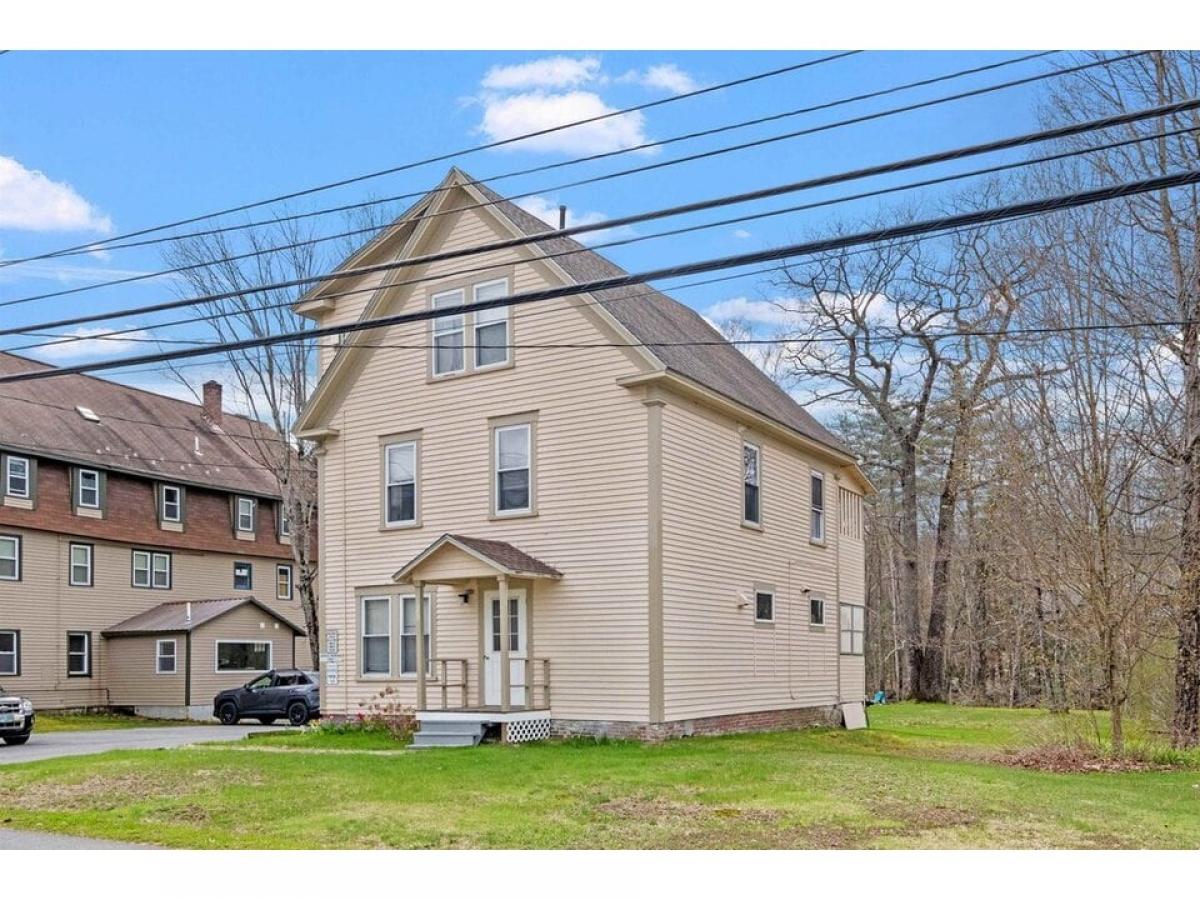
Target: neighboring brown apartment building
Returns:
[[116, 503]]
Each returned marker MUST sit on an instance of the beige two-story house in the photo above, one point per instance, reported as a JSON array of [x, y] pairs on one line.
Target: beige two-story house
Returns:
[[618, 523], [145, 562]]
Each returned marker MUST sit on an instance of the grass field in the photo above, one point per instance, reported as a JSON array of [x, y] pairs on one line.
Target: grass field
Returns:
[[47, 722], [923, 776]]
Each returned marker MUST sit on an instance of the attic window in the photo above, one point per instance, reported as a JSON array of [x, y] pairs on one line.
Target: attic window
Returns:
[[87, 414]]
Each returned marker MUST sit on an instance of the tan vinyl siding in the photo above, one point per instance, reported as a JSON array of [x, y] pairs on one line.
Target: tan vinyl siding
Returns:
[[717, 659], [132, 679], [243, 624], [44, 607], [590, 476]]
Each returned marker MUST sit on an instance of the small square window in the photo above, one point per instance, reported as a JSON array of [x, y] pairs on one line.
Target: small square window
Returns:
[[764, 606], [816, 609], [243, 576]]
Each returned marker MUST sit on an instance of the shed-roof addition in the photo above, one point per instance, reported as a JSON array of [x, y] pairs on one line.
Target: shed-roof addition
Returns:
[[501, 556], [188, 615]]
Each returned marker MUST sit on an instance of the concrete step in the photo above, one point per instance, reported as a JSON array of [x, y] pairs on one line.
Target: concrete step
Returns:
[[451, 726], [425, 739]]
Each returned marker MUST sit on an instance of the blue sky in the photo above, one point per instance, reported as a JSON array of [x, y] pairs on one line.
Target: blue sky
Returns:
[[93, 144]]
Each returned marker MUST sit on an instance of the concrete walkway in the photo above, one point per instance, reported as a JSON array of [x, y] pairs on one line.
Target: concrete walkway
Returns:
[[80, 743], [36, 840]]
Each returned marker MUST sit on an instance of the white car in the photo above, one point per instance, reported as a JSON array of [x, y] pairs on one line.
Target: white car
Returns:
[[16, 718]]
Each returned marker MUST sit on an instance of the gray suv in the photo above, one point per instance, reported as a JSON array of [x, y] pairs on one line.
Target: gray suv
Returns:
[[281, 692]]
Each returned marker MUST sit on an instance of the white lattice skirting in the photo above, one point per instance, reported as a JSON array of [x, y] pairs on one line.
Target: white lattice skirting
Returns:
[[524, 730]]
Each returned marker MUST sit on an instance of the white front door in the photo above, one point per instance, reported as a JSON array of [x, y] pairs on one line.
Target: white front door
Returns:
[[518, 643]]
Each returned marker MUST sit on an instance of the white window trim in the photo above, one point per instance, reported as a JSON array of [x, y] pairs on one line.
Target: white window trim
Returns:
[[15, 653], [217, 655], [429, 598], [158, 656], [151, 558], [758, 469], [162, 503], [813, 509], [154, 570], [842, 631], [435, 332], [770, 593], [16, 557], [285, 524], [416, 483], [814, 597], [91, 569], [527, 427], [79, 489], [362, 636], [280, 568], [87, 654], [475, 325], [8, 477], [253, 514]]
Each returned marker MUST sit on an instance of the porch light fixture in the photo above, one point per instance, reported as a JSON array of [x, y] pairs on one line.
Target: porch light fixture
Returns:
[[466, 596]]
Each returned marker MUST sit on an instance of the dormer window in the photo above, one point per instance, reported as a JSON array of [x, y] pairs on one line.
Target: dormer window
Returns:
[[245, 515], [171, 503], [16, 477], [88, 489]]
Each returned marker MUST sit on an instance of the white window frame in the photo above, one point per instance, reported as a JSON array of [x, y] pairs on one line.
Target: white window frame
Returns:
[[163, 503], [159, 656], [758, 478], [813, 599], [388, 484], [253, 514], [280, 569], [409, 629], [363, 635], [527, 427], [249, 575], [499, 316], [9, 475], [270, 645], [444, 326], [770, 593], [86, 672], [854, 630], [285, 523], [79, 489], [816, 528], [16, 556], [90, 563], [151, 569], [14, 654]]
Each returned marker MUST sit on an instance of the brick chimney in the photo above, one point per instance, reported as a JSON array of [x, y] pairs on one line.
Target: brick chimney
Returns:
[[212, 401]]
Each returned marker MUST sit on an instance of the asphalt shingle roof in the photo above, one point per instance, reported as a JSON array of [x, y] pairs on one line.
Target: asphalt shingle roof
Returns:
[[174, 616]]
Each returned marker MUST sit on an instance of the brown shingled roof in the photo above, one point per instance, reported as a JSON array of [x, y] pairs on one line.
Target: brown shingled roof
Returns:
[[498, 553], [139, 431], [174, 616]]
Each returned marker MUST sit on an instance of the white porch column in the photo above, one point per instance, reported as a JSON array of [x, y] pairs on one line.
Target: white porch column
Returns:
[[505, 641], [421, 661]]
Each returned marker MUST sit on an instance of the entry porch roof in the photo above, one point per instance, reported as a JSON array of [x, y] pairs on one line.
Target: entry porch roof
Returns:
[[456, 557]]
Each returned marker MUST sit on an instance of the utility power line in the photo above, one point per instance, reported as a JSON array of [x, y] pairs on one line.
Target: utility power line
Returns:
[[492, 179], [712, 203], [94, 245], [896, 232]]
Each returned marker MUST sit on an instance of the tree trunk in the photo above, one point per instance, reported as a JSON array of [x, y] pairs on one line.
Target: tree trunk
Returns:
[[1185, 724], [910, 585]]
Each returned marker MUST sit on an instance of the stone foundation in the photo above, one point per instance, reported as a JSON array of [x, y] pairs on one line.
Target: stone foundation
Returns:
[[734, 723]]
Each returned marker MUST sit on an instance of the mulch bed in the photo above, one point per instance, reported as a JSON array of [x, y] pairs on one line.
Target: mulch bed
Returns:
[[1075, 759]]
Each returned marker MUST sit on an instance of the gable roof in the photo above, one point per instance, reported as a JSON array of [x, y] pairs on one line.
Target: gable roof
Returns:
[[184, 615], [498, 554], [139, 432], [648, 315]]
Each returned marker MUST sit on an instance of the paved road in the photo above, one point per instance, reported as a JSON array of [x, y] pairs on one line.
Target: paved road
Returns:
[[78, 743], [36, 840]]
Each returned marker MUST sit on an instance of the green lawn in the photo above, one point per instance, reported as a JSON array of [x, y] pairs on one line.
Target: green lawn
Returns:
[[923, 776], [97, 721]]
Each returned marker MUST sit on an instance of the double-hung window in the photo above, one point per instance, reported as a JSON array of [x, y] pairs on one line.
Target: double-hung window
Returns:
[[16, 477], [852, 628], [81, 568], [88, 489], [376, 635], [79, 654], [164, 656], [151, 570], [10, 557], [10, 653], [751, 487], [400, 462], [171, 503], [818, 507], [243, 576], [245, 515], [283, 582], [491, 326], [513, 469], [448, 334], [408, 635]]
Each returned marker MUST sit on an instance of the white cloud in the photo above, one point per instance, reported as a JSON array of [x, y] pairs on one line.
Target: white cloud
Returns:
[[757, 312], [29, 201], [92, 344], [506, 117], [667, 77], [742, 234], [551, 72], [66, 273]]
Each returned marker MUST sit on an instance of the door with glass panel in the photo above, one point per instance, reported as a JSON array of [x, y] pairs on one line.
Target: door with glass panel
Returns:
[[518, 625]]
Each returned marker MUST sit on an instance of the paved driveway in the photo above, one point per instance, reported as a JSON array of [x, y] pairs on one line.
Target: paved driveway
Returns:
[[36, 840], [78, 743]]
